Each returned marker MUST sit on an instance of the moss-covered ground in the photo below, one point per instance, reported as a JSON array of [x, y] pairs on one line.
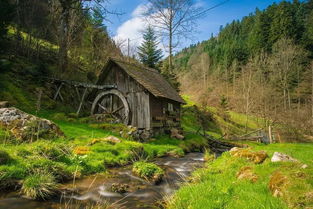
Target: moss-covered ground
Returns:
[[220, 188]]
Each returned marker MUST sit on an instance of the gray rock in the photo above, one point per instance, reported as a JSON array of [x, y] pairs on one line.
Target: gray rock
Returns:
[[304, 166], [280, 157], [27, 127]]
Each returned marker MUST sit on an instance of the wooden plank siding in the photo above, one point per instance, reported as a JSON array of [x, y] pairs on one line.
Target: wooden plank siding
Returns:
[[137, 96], [160, 114]]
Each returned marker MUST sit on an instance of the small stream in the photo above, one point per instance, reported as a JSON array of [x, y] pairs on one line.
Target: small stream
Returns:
[[141, 194]]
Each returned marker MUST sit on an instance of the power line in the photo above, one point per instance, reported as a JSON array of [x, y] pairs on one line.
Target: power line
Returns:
[[213, 7]]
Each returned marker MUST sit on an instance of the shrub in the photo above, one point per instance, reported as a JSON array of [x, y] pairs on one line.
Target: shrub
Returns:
[[148, 171], [59, 116], [39, 186], [4, 157]]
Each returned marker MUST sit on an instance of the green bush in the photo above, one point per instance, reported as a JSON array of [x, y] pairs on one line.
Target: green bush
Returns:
[[39, 186], [148, 171]]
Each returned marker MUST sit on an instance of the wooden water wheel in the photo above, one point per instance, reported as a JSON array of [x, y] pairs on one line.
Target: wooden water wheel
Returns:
[[111, 103]]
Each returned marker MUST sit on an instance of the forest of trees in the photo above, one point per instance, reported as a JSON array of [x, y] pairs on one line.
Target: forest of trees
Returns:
[[262, 65], [69, 35]]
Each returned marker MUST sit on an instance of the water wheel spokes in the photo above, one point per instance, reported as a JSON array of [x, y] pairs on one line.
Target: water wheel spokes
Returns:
[[113, 104]]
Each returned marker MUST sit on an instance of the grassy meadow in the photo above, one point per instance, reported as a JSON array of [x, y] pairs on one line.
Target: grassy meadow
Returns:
[[220, 187]]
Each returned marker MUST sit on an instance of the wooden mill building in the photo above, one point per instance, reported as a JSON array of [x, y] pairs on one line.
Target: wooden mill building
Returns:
[[142, 97]]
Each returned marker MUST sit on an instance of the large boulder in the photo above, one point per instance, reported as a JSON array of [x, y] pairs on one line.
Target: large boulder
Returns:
[[280, 157], [27, 127]]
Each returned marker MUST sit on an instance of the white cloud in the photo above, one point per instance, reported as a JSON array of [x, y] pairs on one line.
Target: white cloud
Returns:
[[131, 29]]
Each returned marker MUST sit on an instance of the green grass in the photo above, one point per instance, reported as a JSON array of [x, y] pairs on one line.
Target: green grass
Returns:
[[219, 187], [148, 171], [39, 186], [217, 183], [41, 42], [76, 155]]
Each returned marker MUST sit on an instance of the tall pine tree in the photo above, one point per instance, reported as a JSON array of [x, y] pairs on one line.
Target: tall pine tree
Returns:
[[149, 53]]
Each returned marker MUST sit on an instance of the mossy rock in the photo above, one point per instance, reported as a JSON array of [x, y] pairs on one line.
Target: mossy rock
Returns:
[[256, 157], [26, 127], [149, 171], [119, 188]]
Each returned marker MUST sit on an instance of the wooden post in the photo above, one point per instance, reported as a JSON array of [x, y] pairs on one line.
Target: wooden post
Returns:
[[58, 91], [270, 134], [82, 101]]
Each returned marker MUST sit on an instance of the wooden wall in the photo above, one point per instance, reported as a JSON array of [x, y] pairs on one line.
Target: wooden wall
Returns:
[[137, 96], [161, 116]]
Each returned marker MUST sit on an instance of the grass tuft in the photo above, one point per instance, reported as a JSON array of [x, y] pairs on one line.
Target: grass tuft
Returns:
[[39, 186]]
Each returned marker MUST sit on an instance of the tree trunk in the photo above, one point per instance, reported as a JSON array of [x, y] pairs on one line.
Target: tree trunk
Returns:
[[312, 93], [170, 45], [285, 100], [170, 62], [64, 32], [289, 100], [298, 92]]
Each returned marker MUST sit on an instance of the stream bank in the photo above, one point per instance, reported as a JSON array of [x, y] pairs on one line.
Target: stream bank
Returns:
[[141, 194]]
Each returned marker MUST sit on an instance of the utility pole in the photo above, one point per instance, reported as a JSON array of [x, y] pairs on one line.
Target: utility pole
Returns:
[[312, 92], [128, 49]]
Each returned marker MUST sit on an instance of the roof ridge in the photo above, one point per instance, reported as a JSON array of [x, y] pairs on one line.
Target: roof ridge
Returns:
[[136, 64], [149, 78]]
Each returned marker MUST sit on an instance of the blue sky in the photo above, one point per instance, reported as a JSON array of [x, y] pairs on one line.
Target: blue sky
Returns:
[[128, 25]]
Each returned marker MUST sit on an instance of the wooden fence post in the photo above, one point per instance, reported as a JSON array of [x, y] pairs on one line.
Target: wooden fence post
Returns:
[[270, 134]]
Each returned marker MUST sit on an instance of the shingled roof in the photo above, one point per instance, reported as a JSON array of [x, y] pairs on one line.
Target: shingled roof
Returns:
[[149, 78]]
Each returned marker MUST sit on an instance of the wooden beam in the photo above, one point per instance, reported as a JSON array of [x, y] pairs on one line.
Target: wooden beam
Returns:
[[80, 84], [77, 92], [82, 101], [58, 92]]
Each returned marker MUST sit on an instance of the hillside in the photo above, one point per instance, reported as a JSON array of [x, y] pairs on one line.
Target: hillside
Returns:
[[260, 65]]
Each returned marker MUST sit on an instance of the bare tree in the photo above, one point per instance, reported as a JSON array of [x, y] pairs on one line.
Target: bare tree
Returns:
[[174, 20], [286, 59], [205, 66]]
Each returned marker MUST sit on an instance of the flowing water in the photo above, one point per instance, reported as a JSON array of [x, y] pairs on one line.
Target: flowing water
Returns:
[[141, 194]]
